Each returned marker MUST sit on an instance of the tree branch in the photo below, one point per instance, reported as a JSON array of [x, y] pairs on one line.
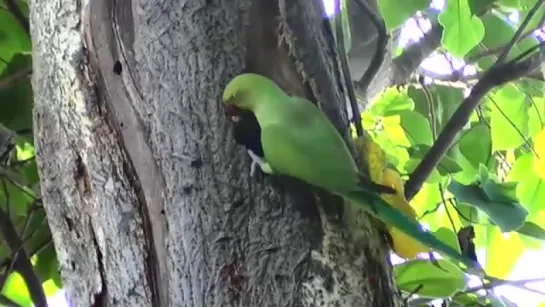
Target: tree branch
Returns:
[[341, 50], [496, 282], [382, 42], [495, 76], [413, 55]]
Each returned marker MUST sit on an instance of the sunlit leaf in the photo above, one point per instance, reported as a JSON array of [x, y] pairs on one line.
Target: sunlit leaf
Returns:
[[16, 290], [509, 118], [502, 252], [536, 116], [436, 282], [494, 200], [532, 230], [498, 32], [476, 146], [13, 38], [448, 236], [391, 102], [530, 187], [417, 128], [462, 30]]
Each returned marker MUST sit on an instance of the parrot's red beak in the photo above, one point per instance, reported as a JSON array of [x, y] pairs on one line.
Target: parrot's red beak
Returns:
[[233, 113]]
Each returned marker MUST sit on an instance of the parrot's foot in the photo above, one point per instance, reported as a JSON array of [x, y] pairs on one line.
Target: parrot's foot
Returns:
[[256, 160], [252, 168]]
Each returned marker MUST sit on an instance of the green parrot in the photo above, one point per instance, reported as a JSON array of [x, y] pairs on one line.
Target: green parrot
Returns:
[[299, 141]]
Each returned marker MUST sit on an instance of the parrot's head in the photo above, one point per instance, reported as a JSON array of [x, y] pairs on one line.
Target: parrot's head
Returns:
[[244, 91]]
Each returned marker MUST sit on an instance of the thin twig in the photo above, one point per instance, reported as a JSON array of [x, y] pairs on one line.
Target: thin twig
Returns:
[[496, 282], [518, 33], [15, 77], [17, 181], [6, 195], [341, 50], [493, 51]]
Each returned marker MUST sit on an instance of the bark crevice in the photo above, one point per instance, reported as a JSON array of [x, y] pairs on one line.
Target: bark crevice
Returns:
[[174, 216]]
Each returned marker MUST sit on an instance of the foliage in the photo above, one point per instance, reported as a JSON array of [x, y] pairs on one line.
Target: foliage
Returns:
[[492, 178]]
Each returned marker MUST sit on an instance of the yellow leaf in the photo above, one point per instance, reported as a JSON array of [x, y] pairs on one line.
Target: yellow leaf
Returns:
[[539, 147], [367, 149], [403, 245], [502, 252]]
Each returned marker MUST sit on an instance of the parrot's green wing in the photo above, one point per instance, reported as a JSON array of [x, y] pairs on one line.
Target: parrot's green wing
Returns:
[[289, 153], [305, 145]]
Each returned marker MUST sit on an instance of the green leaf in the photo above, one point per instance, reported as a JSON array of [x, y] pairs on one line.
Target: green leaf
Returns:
[[395, 12], [16, 290], [417, 128], [18, 200], [462, 30], [526, 6], [13, 38], [530, 187], [448, 236], [532, 230], [498, 32], [436, 282], [16, 102], [509, 118], [479, 6], [512, 4], [392, 102], [46, 264], [494, 200], [476, 145], [448, 100], [536, 116], [484, 175]]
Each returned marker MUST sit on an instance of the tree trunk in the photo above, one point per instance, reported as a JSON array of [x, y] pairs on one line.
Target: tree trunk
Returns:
[[148, 196]]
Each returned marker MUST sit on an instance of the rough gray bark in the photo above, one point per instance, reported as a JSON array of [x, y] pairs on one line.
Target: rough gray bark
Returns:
[[147, 195]]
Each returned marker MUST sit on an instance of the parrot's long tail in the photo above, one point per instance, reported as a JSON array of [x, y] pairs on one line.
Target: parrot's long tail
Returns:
[[393, 217]]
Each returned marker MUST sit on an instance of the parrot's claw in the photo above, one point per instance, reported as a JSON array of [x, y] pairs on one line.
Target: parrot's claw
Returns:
[[256, 160], [252, 168]]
